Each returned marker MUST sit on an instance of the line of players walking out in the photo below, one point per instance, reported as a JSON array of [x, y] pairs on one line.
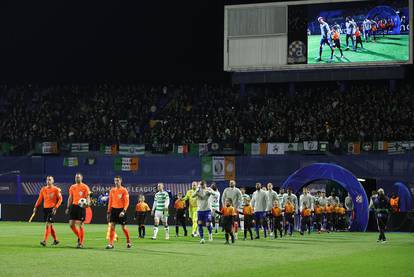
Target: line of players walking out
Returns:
[[368, 29], [265, 211]]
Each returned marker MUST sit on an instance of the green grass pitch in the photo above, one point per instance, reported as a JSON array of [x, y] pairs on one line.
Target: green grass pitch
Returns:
[[388, 48], [334, 254]]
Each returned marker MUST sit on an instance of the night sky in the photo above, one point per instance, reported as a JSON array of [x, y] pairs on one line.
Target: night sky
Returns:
[[88, 41], [111, 40]]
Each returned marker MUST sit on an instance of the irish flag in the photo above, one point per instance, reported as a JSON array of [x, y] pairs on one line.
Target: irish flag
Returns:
[[126, 164], [218, 168]]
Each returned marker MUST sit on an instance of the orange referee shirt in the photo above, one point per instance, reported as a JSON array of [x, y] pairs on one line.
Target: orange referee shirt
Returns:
[[118, 198], [78, 191], [51, 197]]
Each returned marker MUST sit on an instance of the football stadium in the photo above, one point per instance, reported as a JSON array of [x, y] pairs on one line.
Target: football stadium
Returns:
[[211, 138]]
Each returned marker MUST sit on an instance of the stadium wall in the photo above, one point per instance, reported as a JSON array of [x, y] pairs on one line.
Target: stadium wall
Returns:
[[178, 172]]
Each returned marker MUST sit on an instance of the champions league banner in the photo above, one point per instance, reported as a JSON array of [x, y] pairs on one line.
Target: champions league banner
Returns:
[[135, 189]]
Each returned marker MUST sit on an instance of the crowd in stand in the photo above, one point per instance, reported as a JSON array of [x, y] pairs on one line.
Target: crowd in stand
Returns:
[[191, 114]]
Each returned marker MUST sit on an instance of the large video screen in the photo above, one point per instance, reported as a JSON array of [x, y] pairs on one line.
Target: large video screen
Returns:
[[318, 34], [358, 32]]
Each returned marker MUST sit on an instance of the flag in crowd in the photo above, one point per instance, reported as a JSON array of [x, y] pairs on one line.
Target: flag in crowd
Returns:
[[180, 149], [70, 161], [79, 147], [132, 149], [126, 164], [108, 149], [218, 168]]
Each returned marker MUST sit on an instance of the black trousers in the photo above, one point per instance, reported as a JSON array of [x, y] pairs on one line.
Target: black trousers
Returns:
[[318, 221], [347, 40], [305, 223], [180, 220], [329, 221], [277, 226], [289, 223], [382, 219]]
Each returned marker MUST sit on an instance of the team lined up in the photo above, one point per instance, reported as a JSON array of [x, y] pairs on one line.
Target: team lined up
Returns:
[[331, 36], [273, 213]]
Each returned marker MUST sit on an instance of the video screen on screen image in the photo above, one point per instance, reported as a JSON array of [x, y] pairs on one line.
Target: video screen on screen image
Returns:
[[358, 32]]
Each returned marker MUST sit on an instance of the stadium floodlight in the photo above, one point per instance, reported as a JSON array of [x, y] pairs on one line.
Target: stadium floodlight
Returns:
[[361, 179]]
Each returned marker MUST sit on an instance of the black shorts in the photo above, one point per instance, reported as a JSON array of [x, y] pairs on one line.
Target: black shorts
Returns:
[[318, 218], [277, 220], [141, 218], [305, 220], [48, 215], [289, 218], [337, 43], [248, 221], [180, 214], [228, 223], [77, 213], [115, 218], [329, 217]]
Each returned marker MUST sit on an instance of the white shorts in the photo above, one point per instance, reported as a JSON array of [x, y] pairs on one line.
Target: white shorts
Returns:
[[161, 216]]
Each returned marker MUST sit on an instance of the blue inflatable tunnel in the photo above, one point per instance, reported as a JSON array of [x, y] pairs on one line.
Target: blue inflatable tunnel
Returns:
[[386, 12], [340, 175], [406, 199]]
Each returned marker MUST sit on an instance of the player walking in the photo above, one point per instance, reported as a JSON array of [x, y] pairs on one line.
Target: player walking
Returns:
[[160, 211], [349, 205], [204, 211], [259, 204], [366, 28], [192, 207], [325, 38], [235, 196], [272, 196], [215, 205], [350, 27], [382, 208]]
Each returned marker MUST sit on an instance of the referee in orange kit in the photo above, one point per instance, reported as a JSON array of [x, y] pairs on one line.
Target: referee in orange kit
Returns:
[[52, 198], [117, 207]]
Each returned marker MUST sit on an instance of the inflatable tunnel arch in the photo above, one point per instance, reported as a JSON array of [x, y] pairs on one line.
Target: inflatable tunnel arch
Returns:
[[405, 196], [386, 12], [340, 175]]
